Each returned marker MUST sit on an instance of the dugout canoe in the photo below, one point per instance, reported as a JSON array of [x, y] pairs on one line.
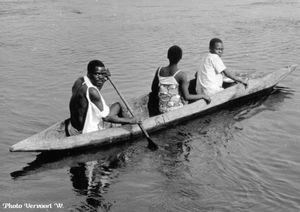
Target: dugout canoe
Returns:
[[54, 139]]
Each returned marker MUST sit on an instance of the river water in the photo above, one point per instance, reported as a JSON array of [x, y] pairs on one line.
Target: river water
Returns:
[[242, 158]]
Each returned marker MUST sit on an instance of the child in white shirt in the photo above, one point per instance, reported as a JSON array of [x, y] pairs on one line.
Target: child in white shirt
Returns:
[[209, 78]]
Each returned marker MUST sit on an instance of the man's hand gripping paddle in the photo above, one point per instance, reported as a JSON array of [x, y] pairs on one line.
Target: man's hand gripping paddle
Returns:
[[151, 144]]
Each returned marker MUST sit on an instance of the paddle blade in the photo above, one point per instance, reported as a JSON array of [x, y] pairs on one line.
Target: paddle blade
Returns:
[[151, 145]]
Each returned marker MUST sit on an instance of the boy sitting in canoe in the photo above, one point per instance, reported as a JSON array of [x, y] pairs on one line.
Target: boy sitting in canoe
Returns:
[[170, 84], [88, 108], [209, 78]]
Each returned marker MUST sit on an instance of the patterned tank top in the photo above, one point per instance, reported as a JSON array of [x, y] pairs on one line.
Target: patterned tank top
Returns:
[[168, 93]]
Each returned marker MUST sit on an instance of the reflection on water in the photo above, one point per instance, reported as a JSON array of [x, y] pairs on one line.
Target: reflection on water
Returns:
[[91, 172], [194, 162], [200, 171], [92, 181]]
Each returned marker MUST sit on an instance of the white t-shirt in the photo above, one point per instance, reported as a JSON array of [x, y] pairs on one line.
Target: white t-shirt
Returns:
[[209, 77]]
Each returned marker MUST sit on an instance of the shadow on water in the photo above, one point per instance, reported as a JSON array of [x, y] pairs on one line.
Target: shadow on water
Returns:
[[91, 180], [269, 101], [216, 128], [59, 159], [93, 170], [196, 150]]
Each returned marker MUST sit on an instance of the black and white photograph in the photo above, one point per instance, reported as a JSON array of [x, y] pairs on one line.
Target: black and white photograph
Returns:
[[150, 106]]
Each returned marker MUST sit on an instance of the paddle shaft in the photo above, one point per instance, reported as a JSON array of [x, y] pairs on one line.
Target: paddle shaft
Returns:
[[128, 107]]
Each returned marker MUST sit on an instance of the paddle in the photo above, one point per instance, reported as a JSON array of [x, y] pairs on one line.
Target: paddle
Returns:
[[151, 144]]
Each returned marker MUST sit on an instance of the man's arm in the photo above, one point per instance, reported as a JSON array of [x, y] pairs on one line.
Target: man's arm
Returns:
[[121, 120], [115, 110], [95, 98]]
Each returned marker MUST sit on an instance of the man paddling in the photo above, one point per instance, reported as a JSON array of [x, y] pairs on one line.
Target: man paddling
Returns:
[[87, 107]]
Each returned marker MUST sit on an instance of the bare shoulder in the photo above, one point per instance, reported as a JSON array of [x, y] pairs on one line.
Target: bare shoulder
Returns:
[[94, 93], [77, 84], [78, 90], [181, 74]]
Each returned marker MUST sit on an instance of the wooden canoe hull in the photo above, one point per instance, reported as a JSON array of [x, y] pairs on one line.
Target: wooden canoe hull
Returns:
[[54, 138]]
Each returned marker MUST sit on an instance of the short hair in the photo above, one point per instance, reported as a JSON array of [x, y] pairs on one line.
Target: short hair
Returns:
[[91, 66], [174, 54], [213, 42]]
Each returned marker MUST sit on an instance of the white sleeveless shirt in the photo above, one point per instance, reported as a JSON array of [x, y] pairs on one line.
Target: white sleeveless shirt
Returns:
[[93, 120]]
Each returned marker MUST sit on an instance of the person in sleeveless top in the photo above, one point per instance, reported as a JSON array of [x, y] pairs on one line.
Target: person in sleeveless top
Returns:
[[170, 85], [88, 108]]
